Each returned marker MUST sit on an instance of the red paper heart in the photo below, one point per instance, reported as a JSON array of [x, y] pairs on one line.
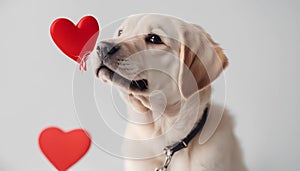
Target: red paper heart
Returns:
[[75, 41], [63, 149]]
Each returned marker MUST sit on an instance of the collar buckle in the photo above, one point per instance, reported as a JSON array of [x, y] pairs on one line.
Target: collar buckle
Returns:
[[171, 149]]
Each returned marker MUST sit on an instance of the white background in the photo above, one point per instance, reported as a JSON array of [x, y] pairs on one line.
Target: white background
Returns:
[[261, 39]]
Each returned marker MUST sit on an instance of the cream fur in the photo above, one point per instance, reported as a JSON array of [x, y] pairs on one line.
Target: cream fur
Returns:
[[179, 90]]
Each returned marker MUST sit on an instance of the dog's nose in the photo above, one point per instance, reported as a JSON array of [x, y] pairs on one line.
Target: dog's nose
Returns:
[[105, 49]]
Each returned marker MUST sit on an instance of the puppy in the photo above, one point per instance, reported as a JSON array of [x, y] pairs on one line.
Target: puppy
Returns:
[[163, 68]]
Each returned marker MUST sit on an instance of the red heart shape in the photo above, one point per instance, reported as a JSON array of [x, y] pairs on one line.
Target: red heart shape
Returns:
[[63, 149], [76, 41]]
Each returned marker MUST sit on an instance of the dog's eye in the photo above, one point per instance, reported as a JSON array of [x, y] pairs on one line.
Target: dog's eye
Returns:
[[120, 32], [153, 38]]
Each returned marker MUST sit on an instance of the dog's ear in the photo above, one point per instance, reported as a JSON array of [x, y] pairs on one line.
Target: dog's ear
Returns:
[[202, 60]]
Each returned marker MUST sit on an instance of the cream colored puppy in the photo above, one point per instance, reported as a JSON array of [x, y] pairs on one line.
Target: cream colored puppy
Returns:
[[163, 67]]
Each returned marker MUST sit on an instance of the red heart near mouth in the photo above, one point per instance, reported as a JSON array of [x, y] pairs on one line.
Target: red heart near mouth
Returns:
[[76, 41]]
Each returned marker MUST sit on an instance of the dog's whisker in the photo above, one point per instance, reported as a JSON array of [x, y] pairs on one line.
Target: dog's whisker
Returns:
[[137, 84], [144, 82]]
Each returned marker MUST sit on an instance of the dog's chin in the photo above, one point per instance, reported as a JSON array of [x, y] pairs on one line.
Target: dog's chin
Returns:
[[106, 74]]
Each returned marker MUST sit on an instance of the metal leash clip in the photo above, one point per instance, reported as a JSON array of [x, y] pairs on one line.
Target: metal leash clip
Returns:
[[171, 149], [169, 155]]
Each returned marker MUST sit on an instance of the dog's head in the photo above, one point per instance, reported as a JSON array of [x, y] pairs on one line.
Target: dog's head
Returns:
[[152, 52]]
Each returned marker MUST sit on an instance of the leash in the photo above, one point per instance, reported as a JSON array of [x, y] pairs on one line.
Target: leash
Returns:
[[170, 150]]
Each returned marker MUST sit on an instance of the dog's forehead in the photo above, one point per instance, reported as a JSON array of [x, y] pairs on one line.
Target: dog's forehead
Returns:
[[152, 23]]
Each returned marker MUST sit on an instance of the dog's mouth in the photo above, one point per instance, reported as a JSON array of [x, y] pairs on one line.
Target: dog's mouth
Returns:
[[133, 85]]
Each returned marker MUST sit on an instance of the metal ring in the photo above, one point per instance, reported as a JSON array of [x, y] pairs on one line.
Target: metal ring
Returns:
[[184, 143]]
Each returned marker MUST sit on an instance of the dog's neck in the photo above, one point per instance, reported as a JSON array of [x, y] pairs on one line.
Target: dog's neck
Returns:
[[172, 122]]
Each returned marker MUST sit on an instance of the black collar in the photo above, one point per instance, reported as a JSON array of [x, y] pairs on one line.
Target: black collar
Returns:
[[185, 141], [173, 148]]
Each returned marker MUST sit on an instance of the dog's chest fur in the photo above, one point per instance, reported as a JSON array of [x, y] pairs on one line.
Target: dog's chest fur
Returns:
[[220, 153]]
